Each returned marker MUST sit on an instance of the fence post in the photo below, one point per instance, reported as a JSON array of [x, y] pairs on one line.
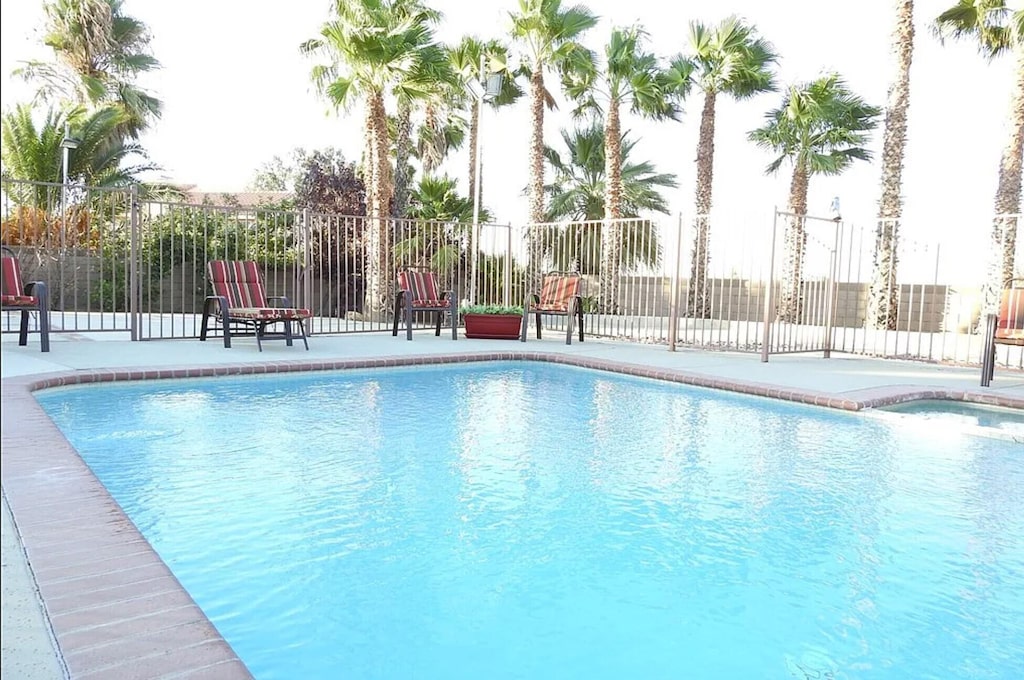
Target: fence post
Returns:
[[134, 311], [830, 292], [307, 262], [673, 306], [769, 303], [508, 268]]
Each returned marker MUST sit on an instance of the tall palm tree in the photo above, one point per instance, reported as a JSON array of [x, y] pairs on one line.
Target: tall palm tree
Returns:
[[631, 77], [821, 129], [375, 46], [729, 59], [548, 35], [578, 195], [882, 301], [33, 153], [99, 52], [997, 30]]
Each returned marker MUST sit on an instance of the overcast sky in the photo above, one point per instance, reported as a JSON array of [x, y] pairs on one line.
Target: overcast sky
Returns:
[[236, 92]]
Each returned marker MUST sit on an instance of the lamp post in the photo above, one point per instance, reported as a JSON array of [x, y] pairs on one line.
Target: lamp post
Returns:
[[66, 145], [486, 90]]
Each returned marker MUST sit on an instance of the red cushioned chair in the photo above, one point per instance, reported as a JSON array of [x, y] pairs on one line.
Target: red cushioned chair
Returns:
[[28, 298], [1004, 328], [419, 291], [560, 295], [240, 301]]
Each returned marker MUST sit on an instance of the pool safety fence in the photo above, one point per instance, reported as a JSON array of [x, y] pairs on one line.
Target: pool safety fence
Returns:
[[128, 259]]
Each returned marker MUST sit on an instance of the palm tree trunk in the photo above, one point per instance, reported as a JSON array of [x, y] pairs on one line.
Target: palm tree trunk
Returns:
[[432, 147], [611, 241], [1007, 203], [403, 147], [791, 298], [474, 122], [883, 301], [697, 296], [536, 193], [378, 204]]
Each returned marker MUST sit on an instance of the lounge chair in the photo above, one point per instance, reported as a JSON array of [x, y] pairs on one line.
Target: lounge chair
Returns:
[[28, 298], [1004, 328], [240, 300], [560, 296], [419, 291]]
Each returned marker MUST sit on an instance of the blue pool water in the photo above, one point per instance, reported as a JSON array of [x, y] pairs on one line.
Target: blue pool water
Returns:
[[521, 520]]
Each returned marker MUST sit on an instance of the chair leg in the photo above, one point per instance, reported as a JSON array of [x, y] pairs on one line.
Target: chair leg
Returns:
[[260, 328], [570, 319], [23, 329], [538, 325], [302, 329], [288, 333], [226, 325], [44, 317], [579, 319], [407, 311], [526, 323], [437, 328], [398, 307]]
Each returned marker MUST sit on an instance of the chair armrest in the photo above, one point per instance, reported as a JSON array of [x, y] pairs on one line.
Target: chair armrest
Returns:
[[222, 303], [32, 286], [284, 300]]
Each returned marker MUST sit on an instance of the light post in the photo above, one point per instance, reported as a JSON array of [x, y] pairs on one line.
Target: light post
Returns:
[[66, 145], [485, 91]]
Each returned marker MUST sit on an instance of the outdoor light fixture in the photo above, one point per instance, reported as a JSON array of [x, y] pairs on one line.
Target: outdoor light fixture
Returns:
[[66, 145]]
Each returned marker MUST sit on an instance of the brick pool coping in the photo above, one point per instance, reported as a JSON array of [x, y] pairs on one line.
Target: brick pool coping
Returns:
[[115, 608]]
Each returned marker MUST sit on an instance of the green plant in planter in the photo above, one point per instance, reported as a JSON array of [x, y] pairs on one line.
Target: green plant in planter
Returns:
[[492, 310]]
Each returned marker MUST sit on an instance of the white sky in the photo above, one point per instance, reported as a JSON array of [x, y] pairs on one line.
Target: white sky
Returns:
[[236, 92]]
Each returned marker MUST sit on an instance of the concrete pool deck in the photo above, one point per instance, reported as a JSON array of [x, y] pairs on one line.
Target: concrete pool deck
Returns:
[[78, 578]]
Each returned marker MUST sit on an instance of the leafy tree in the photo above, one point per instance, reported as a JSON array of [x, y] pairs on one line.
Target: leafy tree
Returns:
[[373, 47], [99, 51], [548, 35], [882, 301], [440, 235], [997, 29], [578, 194], [821, 129], [631, 77], [730, 59]]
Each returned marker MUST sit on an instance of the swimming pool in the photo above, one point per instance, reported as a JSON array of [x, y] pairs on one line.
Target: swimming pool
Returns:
[[530, 520]]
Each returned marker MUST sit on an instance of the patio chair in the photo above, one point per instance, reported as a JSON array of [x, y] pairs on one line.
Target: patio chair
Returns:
[[240, 301], [1004, 328], [560, 295], [419, 291], [27, 299]]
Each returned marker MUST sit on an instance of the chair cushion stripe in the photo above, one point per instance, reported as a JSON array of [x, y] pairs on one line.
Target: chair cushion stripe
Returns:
[[11, 282]]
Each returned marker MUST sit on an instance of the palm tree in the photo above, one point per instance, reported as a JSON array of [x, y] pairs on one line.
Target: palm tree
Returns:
[[441, 233], [821, 128], [633, 78], [375, 46], [578, 195], [882, 301], [33, 153], [729, 59], [549, 36], [997, 30], [99, 52], [473, 59]]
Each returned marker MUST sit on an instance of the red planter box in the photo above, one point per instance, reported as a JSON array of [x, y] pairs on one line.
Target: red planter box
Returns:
[[493, 326]]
